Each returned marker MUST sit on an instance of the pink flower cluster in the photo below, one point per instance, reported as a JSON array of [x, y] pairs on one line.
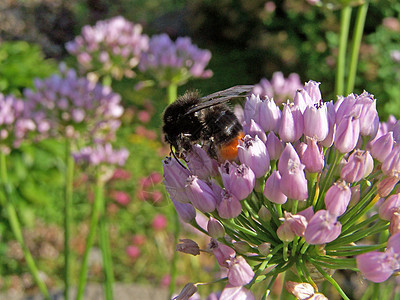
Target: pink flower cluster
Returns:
[[279, 88], [305, 184], [101, 154], [174, 62], [111, 46], [15, 122], [74, 107]]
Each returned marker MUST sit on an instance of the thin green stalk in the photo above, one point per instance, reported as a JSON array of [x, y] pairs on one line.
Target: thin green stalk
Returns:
[[68, 192], [172, 93], [106, 253], [355, 48], [94, 220], [174, 270], [16, 226], [345, 15]]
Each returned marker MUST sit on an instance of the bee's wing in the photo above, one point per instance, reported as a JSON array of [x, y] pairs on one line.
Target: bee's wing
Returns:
[[237, 91]]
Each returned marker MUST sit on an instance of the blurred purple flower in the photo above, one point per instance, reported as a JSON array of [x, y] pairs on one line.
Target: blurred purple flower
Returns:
[[279, 88], [101, 154], [174, 62], [111, 47], [73, 106]]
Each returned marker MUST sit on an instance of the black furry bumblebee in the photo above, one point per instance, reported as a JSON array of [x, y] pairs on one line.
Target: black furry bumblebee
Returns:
[[208, 120]]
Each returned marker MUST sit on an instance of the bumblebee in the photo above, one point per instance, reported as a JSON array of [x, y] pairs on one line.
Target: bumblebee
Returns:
[[208, 120]]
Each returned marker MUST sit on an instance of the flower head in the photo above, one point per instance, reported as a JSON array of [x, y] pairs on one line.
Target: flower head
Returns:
[[111, 47]]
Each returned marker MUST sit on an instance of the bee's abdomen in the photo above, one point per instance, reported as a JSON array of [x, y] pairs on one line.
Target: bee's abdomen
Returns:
[[221, 124]]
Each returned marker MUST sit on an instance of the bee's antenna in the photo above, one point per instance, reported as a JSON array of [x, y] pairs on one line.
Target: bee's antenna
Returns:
[[173, 154]]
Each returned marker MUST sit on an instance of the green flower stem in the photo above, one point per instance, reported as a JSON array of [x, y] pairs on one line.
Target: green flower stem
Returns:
[[172, 92], [174, 270], [355, 48], [360, 225], [8, 204], [353, 214], [332, 281], [353, 237], [68, 193], [94, 220], [361, 248], [106, 252], [345, 16], [307, 273]]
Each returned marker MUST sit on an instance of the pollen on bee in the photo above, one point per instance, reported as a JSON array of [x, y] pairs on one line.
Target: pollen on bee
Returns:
[[229, 151]]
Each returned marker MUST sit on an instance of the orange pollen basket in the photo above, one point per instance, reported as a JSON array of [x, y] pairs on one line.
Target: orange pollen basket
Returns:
[[229, 151]]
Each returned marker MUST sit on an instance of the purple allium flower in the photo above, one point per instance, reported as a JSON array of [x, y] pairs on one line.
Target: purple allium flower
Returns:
[[322, 228], [316, 123], [73, 106], [312, 157], [337, 198], [15, 122], [239, 180], [111, 47], [239, 271], [382, 146], [358, 166], [175, 177], [379, 266], [222, 253], [291, 127], [229, 206], [323, 166], [200, 194], [174, 62], [101, 154], [236, 292], [389, 207], [272, 188], [186, 211], [200, 163], [253, 153], [279, 88], [274, 146], [347, 134]]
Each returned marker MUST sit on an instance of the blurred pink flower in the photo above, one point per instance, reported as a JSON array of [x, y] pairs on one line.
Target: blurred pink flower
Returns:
[[160, 222], [133, 251], [121, 197]]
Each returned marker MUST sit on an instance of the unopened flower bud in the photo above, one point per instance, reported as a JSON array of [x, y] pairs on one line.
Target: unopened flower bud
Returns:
[[316, 122], [264, 248], [274, 146], [215, 229], [359, 165], [200, 163], [312, 157], [242, 247], [188, 291], [264, 214], [285, 232], [292, 124], [188, 246], [253, 129], [301, 291]]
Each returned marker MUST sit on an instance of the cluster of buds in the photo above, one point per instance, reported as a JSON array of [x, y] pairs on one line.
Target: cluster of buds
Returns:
[[15, 122], [312, 190], [74, 107], [279, 88], [112, 46], [174, 62]]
